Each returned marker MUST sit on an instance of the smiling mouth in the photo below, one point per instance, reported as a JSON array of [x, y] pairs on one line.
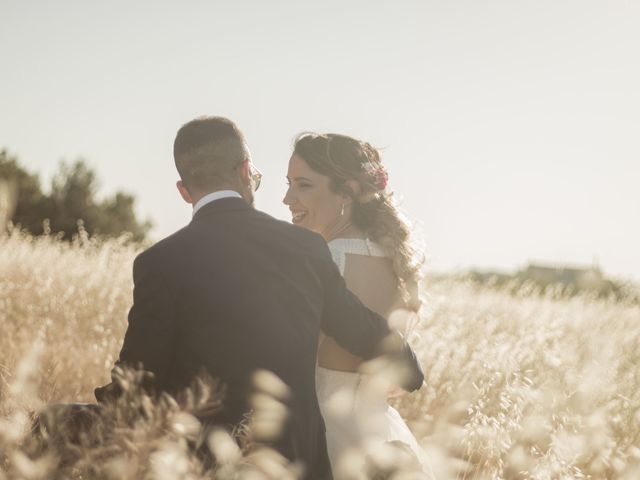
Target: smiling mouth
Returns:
[[296, 217]]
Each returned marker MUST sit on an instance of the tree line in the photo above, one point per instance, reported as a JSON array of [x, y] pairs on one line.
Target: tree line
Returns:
[[70, 199]]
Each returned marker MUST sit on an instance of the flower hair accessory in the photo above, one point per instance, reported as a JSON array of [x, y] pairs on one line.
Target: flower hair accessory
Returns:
[[376, 175]]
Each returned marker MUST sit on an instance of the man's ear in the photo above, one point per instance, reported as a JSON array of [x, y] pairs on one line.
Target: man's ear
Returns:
[[245, 173], [184, 193]]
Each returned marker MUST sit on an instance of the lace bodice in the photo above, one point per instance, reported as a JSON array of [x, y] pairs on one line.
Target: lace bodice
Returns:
[[340, 247]]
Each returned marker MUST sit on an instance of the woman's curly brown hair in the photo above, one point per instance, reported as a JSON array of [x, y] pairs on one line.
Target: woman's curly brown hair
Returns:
[[343, 158]]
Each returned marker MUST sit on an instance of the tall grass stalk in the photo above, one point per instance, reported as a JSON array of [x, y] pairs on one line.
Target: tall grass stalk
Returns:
[[518, 385]]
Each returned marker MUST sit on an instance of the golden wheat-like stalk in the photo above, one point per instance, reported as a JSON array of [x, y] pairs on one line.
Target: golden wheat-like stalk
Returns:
[[519, 385], [8, 194]]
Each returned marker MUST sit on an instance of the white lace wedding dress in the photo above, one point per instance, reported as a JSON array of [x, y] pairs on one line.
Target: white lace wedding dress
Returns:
[[356, 414]]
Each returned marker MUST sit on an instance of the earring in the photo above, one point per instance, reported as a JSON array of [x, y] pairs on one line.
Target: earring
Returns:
[[342, 211]]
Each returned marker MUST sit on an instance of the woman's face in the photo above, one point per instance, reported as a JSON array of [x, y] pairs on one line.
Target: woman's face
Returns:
[[312, 203]]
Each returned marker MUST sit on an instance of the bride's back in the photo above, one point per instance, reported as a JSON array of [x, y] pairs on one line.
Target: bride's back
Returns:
[[370, 276]]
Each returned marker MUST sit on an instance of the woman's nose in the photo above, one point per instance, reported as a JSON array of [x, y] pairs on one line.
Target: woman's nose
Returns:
[[287, 200]]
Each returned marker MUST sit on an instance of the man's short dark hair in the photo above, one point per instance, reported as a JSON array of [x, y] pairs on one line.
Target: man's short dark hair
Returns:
[[207, 150]]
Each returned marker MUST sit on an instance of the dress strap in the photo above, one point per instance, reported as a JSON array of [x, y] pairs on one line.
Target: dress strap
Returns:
[[340, 247]]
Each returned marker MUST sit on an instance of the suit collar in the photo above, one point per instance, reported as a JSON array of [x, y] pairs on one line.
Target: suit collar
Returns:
[[227, 204]]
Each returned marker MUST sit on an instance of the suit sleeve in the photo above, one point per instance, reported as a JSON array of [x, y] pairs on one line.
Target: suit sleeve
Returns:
[[360, 330], [150, 336]]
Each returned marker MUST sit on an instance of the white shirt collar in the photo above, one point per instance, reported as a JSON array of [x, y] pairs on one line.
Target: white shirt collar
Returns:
[[212, 197]]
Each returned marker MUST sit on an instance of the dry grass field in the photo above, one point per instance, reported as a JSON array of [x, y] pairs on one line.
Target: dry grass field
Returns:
[[519, 385]]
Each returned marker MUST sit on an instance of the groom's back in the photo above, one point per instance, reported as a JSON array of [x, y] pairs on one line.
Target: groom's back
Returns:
[[251, 296], [246, 294]]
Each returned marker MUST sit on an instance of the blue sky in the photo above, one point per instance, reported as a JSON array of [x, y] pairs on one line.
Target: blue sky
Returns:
[[509, 128]]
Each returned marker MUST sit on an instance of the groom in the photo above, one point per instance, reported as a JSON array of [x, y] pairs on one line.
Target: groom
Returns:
[[237, 291]]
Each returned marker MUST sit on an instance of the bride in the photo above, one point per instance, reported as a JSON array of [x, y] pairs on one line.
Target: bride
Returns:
[[337, 188]]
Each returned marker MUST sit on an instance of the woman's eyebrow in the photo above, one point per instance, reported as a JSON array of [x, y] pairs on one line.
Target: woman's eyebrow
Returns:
[[299, 178]]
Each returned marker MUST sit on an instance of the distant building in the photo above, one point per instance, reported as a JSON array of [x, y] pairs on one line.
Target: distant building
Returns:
[[590, 278], [572, 278]]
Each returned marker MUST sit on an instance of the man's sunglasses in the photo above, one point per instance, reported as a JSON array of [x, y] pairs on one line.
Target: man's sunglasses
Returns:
[[256, 175]]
